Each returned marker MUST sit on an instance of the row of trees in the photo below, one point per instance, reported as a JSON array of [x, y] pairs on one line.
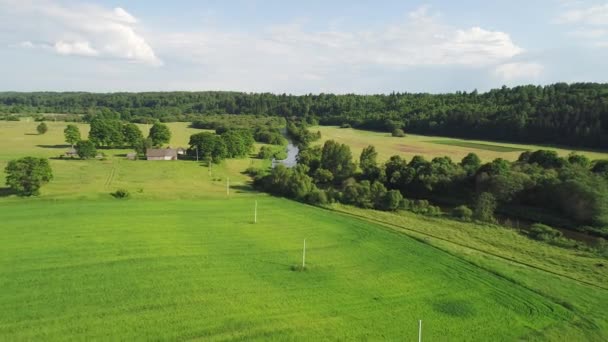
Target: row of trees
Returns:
[[573, 114], [569, 192], [114, 133], [233, 143]]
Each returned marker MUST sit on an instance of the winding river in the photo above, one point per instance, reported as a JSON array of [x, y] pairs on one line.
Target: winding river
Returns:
[[292, 153]]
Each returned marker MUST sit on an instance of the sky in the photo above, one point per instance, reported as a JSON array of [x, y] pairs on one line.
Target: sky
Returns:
[[300, 47]]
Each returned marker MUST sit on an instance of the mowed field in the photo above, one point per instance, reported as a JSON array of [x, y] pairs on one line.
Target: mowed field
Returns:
[[431, 147], [182, 260]]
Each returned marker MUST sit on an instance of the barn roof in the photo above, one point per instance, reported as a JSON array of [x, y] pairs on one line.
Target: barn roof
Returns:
[[161, 152]]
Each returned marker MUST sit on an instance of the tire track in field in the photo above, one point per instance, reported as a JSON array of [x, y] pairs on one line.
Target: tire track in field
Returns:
[[392, 226], [110, 178]]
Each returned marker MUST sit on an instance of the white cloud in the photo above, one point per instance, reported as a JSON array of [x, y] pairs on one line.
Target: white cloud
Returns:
[[594, 15], [75, 48], [291, 53], [589, 24], [519, 71], [83, 30]]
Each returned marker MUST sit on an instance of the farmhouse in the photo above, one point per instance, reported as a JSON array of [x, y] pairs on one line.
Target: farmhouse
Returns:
[[161, 154]]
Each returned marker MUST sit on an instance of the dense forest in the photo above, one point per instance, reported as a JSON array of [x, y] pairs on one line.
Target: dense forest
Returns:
[[566, 114]]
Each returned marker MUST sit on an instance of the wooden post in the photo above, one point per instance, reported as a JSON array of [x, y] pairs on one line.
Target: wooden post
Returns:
[[255, 214], [304, 255], [420, 330]]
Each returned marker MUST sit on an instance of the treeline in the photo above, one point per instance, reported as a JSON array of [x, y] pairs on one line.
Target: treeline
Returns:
[[570, 114], [112, 133], [540, 187], [264, 129]]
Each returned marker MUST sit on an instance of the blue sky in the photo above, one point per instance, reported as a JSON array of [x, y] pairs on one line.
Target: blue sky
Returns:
[[299, 46]]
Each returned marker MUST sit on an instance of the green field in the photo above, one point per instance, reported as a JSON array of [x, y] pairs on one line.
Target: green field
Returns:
[[430, 147], [192, 269], [181, 260], [479, 146]]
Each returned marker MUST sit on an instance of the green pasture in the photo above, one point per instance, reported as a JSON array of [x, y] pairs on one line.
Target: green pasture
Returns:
[[184, 269], [431, 147]]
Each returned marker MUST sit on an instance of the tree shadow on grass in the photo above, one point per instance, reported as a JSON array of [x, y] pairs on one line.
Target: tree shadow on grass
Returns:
[[54, 146], [64, 158], [31, 134], [243, 188], [5, 192]]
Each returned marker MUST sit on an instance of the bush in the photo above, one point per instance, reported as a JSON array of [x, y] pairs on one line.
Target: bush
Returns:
[[391, 200], [345, 125], [485, 207], [462, 212], [42, 128], [316, 197], [543, 232], [398, 132], [254, 171], [121, 194]]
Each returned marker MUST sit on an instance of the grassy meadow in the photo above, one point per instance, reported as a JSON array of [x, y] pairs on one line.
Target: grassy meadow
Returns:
[[181, 260], [196, 270], [97, 178], [430, 147]]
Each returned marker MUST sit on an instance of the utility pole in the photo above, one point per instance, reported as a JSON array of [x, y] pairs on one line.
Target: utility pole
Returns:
[[420, 330], [304, 255]]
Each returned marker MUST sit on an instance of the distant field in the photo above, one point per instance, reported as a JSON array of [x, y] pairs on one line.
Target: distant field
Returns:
[[431, 147], [479, 146], [97, 178]]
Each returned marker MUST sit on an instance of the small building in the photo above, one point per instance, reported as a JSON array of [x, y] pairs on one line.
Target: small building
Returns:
[[71, 153], [161, 154]]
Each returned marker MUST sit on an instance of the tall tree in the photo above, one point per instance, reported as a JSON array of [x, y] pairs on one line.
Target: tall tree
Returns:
[[132, 135], [160, 134], [26, 175], [86, 149], [368, 163], [338, 159], [71, 134]]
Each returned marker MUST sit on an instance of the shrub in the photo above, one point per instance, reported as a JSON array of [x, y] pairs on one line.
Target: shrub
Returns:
[[254, 171], [462, 212], [543, 232], [42, 128], [121, 194], [398, 132], [345, 125], [391, 200], [316, 197]]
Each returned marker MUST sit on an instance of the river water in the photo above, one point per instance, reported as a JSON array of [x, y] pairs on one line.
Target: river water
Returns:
[[292, 153]]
